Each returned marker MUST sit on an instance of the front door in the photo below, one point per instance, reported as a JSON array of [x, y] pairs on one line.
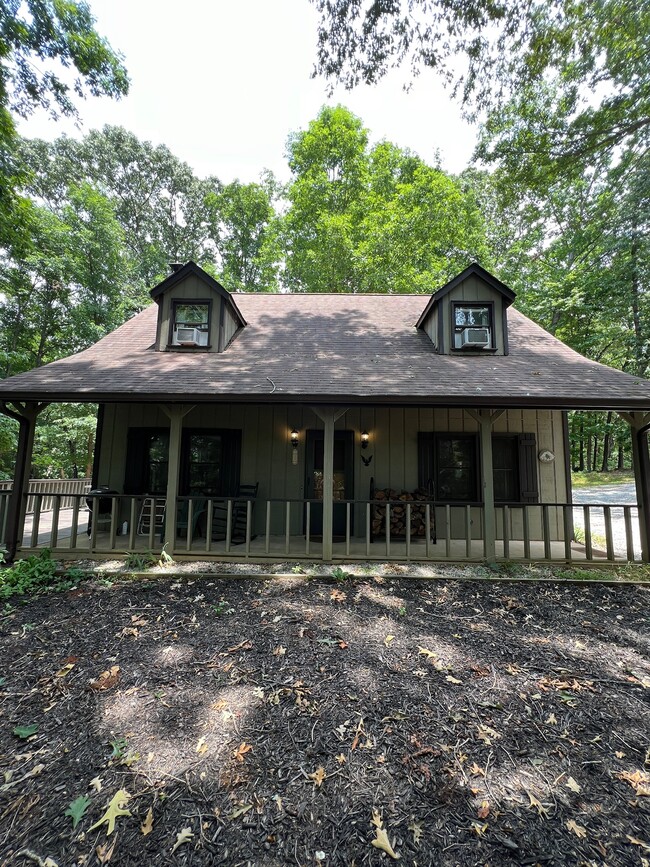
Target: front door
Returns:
[[343, 478]]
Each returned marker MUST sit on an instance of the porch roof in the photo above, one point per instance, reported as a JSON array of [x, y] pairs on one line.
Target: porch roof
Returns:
[[334, 348]]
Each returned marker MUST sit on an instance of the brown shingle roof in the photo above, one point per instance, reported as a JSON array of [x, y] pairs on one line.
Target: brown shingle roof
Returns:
[[333, 348]]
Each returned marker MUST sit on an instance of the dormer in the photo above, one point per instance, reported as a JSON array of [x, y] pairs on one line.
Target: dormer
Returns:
[[468, 315], [195, 312]]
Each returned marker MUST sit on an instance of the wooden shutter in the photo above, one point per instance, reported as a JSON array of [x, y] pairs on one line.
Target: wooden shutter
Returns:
[[425, 461], [528, 484]]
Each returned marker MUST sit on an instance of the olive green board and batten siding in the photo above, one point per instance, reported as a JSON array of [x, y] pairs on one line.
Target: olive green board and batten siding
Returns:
[[266, 456]]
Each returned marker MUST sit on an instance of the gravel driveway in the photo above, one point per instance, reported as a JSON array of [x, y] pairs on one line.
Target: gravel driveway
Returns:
[[618, 495]]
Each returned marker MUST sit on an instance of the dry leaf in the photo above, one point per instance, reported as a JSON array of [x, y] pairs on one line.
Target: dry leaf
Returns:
[[318, 776], [107, 679], [341, 759], [240, 811], [279, 651], [477, 770], [241, 751], [388, 640], [479, 829], [113, 811], [416, 829], [183, 836], [65, 670], [578, 830], [201, 746], [381, 840], [636, 842], [487, 734], [639, 780], [147, 826], [105, 853], [338, 595], [573, 785], [619, 754], [96, 784], [542, 811], [452, 679], [484, 810], [551, 721]]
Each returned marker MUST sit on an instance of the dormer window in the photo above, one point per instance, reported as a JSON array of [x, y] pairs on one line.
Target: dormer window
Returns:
[[473, 326], [191, 323]]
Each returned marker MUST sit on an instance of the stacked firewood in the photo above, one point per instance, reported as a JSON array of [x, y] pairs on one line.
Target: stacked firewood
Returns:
[[398, 517]]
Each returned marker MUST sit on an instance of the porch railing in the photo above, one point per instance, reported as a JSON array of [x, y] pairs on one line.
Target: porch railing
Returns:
[[237, 528], [49, 488]]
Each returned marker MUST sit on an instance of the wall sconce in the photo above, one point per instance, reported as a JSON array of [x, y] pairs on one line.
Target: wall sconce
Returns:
[[365, 439], [294, 446]]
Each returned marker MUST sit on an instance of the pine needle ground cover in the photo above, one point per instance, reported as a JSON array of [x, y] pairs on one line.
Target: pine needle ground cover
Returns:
[[314, 721]]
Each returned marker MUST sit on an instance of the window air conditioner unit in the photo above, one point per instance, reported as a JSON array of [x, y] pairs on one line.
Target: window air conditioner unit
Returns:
[[188, 336], [475, 337]]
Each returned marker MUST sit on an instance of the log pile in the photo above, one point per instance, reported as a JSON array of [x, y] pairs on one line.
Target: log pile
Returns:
[[398, 517]]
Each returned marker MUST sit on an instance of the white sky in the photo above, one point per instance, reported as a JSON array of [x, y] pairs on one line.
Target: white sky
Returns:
[[223, 82]]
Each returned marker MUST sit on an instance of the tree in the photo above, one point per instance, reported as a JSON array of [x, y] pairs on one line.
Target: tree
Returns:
[[243, 227], [592, 58], [374, 219], [37, 39]]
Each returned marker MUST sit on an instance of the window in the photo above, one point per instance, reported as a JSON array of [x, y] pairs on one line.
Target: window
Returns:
[[210, 461], [472, 326], [191, 323], [449, 466]]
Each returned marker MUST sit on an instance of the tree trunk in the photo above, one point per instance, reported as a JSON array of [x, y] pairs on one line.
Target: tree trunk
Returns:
[[581, 461], [621, 457], [607, 444], [589, 454]]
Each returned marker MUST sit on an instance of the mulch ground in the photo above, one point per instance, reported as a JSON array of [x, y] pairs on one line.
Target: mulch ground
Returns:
[[300, 721]]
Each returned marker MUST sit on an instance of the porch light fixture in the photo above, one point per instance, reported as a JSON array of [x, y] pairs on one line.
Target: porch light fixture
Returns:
[[365, 438], [294, 446]]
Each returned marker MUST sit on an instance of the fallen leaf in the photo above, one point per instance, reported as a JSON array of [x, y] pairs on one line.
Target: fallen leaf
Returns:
[[452, 679], [619, 754], [484, 810], [479, 829], [96, 784], [107, 679], [477, 770], [279, 651], [105, 852], [183, 836], [381, 840], [278, 802], [147, 826], [241, 751], [542, 811], [578, 830], [573, 785], [201, 746], [338, 595], [551, 721], [416, 829], [341, 759], [487, 734], [318, 776], [343, 645], [636, 842], [388, 640], [77, 810], [639, 780], [65, 670], [25, 732], [239, 811], [114, 810]]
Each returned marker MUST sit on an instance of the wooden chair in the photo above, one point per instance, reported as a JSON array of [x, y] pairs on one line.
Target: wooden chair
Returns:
[[239, 512]]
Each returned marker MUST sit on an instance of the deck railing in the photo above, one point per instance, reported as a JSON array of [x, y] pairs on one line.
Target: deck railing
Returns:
[[260, 528], [66, 488]]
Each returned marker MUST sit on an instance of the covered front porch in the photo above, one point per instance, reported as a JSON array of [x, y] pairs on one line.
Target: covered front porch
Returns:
[[328, 483]]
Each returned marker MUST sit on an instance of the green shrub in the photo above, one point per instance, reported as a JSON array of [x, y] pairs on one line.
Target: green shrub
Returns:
[[37, 573]]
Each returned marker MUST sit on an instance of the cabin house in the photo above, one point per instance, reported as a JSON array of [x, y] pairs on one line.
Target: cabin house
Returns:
[[333, 427]]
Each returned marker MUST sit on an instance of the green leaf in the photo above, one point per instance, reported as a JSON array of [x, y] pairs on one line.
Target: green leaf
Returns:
[[77, 809], [26, 731]]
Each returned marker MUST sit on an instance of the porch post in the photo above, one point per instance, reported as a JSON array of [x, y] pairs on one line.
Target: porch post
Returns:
[[639, 424], [329, 415], [25, 414], [176, 413], [486, 419]]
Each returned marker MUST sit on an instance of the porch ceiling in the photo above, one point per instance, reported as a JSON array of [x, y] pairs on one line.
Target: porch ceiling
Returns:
[[346, 349]]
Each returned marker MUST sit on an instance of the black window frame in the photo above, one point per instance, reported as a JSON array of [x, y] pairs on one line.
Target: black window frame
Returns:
[[524, 446], [456, 329], [137, 475], [188, 302]]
